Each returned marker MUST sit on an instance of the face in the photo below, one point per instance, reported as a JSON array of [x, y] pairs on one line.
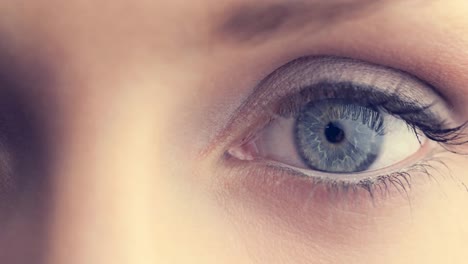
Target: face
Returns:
[[233, 131]]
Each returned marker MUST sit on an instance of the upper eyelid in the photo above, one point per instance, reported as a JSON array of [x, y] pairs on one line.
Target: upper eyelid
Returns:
[[301, 73], [306, 71]]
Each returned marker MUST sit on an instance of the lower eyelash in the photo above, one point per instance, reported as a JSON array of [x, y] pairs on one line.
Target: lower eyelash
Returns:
[[376, 188], [371, 189]]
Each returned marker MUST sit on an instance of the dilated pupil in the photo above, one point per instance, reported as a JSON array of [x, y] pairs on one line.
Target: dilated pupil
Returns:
[[334, 133]]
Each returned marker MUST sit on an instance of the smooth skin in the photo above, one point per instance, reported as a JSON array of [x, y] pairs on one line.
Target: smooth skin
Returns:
[[133, 92]]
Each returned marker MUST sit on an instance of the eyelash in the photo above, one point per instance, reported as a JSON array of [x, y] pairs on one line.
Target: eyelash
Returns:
[[371, 191], [383, 184], [419, 118]]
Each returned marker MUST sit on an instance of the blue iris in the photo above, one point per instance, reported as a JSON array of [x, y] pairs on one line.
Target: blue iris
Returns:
[[338, 136]]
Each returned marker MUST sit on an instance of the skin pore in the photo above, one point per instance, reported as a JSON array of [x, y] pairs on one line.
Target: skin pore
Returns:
[[130, 98]]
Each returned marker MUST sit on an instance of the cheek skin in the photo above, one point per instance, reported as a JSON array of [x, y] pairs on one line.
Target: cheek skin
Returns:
[[281, 218]]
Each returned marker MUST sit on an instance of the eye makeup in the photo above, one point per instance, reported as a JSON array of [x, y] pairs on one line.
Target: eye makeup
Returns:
[[301, 80], [285, 92]]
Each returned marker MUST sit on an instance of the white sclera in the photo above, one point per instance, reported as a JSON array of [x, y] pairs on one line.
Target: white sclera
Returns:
[[400, 142], [276, 142]]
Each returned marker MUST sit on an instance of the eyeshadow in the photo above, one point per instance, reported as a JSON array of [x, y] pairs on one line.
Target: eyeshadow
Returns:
[[311, 71], [299, 77]]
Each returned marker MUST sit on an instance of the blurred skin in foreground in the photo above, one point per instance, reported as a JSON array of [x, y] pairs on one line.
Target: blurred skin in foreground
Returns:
[[129, 98]]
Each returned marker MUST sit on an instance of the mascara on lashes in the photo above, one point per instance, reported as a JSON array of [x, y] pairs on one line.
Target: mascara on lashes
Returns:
[[288, 89], [295, 76]]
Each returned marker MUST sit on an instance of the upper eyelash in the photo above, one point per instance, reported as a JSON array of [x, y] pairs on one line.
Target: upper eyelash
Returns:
[[365, 115], [446, 136], [418, 117]]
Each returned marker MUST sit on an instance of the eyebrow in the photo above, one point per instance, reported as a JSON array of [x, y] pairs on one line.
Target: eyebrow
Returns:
[[254, 22]]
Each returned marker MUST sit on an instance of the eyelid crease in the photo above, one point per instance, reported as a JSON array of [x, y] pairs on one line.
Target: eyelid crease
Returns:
[[309, 71]]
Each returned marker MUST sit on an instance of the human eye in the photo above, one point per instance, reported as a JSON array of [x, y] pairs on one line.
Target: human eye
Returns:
[[345, 125]]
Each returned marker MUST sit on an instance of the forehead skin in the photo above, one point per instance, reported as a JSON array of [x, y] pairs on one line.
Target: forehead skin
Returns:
[[142, 87]]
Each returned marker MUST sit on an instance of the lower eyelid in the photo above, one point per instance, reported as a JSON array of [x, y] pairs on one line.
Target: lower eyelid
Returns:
[[286, 183], [301, 205]]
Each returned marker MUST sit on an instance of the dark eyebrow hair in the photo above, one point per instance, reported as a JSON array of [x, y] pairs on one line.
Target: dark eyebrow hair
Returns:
[[253, 22]]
